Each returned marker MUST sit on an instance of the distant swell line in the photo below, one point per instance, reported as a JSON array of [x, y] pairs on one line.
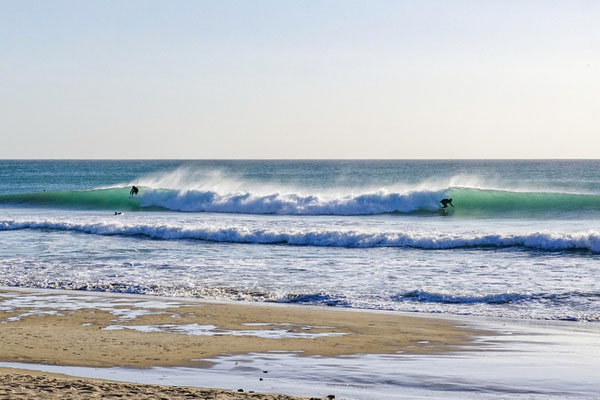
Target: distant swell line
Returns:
[[550, 241]]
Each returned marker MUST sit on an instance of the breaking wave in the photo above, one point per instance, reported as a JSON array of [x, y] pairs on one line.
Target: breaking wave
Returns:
[[468, 201], [549, 241]]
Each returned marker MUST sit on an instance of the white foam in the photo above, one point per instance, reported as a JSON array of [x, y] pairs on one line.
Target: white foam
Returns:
[[28, 314], [41, 304], [212, 330], [357, 238], [378, 202]]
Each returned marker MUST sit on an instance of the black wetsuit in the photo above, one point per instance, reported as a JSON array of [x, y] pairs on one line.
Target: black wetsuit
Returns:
[[445, 203], [133, 191]]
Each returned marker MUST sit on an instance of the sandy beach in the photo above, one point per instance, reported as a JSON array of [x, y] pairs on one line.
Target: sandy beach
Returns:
[[24, 384], [79, 329]]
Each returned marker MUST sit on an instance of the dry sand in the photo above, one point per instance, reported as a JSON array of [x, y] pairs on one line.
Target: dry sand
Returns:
[[79, 336], [21, 384]]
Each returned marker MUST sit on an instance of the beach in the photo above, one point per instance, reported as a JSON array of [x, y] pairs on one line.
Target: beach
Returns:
[[91, 330], [75, 344], [25, 384], [281, 200], [88, 330], [334, 277]]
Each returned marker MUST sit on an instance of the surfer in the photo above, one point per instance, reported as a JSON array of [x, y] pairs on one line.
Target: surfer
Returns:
[[445, 203], [134, 191], [118, 213]]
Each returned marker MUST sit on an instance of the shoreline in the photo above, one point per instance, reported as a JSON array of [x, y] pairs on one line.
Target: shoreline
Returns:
[[87, 329], [71, 327], [279, 348]]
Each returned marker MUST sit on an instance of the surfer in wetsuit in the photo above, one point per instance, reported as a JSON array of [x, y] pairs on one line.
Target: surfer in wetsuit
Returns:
[[134, 191], [445, 203]]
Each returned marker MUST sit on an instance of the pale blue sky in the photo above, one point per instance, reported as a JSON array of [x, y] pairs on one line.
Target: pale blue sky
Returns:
[[301, 79]]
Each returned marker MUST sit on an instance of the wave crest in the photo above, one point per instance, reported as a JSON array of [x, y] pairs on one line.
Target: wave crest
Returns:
[[549, 241], [292, 203]]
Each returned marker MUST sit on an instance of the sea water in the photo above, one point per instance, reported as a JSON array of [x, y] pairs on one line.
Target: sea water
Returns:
[[522, 241]]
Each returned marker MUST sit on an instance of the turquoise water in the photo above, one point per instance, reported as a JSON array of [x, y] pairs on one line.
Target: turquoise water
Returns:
[[522, 240]]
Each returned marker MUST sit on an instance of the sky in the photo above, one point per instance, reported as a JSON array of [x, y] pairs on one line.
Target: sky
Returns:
[[299, 79]]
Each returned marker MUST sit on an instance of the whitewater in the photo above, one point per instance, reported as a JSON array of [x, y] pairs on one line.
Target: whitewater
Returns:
[[523, 240], [551, 241]]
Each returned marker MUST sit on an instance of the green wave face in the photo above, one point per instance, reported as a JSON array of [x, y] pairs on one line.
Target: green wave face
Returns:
[[117, 199], [467, 202], [489, 202]]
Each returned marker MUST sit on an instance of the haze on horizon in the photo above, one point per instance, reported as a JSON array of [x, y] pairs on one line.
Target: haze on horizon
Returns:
[[299, 79]]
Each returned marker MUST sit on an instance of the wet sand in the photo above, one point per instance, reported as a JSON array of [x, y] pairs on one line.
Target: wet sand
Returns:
[[72, 330], [83, 329]]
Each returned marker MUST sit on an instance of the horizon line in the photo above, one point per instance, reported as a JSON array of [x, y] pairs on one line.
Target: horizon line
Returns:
[[301, 159]]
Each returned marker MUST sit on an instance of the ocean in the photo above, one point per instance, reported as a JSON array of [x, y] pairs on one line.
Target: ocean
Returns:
[[522, 241]]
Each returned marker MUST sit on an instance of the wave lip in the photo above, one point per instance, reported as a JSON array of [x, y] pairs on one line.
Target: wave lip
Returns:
[[549, 241]]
